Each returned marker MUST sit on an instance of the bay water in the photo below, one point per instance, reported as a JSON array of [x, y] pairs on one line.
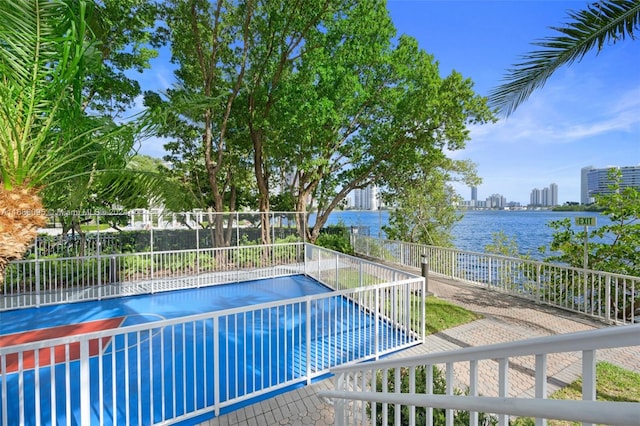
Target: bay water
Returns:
[[529, 228]]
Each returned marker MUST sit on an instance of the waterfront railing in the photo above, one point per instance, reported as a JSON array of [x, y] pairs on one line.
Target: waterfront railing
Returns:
[[172, 370], [613, 298]]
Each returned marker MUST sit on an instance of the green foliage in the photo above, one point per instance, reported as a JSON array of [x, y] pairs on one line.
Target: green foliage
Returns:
[[336, 237], [439, 388], [503, 245], [126, 41], [46, 53], [318, 97], [65, 272], [613, 247], [577, 208], [425, 200], [63, 85]]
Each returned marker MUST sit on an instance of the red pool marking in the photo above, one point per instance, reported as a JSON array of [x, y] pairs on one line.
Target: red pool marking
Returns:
[[44, 354]]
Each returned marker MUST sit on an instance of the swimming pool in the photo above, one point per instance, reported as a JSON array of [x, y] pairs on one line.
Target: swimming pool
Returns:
[[174, 356]]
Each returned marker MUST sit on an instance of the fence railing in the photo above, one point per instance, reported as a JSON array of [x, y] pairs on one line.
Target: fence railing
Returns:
[[178, 369], [51, 280], [613, 298], [77, 234], [401, 391], [173, 370]]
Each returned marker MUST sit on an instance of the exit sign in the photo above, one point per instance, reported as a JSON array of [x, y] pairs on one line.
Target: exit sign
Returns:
[[585, 221]]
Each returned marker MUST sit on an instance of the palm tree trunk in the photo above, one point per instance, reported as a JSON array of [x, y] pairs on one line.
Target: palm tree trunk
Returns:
[[21, 215]]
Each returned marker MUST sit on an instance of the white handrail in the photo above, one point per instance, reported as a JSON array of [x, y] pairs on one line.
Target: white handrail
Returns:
[[357, 383], [601, 412], [610, 337]]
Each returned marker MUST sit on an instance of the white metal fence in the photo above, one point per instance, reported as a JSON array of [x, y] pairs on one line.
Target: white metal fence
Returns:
[[172, 370], [401, 391], [52, 280], [614, 298]]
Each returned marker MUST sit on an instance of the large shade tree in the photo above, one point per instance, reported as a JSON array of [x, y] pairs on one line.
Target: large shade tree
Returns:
[[318, 98], [209, 42], [600, 24], [381, 112]]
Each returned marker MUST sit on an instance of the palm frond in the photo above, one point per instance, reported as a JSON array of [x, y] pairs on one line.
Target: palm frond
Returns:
[[601, 23], [42, 49]]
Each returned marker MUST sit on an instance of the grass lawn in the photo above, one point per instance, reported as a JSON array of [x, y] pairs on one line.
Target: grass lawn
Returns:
[[441, 315]]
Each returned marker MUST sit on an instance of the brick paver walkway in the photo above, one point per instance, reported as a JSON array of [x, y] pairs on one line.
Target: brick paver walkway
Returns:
[[506, 318]]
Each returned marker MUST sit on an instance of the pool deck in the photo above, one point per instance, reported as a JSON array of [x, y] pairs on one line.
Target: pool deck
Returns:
[[506, 318]]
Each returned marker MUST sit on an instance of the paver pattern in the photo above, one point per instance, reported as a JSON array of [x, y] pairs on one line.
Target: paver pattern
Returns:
[[506, 318]]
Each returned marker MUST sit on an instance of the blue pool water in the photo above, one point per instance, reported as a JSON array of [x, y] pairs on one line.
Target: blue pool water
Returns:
[[152, 376]]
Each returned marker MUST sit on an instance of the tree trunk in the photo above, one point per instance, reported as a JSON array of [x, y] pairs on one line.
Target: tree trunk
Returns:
[[21, 215]]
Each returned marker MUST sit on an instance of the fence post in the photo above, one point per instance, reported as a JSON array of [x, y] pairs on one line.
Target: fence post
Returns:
[[237, 229], [99, 256], [376, 328], [337, 271], [539, 282], [306, 263], [85, 383], [588, 376], [113, 272], [37, 264], [216, 366], [308, 342], [607, 298], [153, 261], [425, 273], [197, 259], [454, 260]]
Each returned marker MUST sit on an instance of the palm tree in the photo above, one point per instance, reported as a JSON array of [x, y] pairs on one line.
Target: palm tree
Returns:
[[45, 51], [602, 22]]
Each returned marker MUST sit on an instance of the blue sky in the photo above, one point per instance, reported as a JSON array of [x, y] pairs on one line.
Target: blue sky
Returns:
[[588, 113]]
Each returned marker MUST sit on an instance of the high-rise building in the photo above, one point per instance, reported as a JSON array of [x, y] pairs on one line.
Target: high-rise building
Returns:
[[496, 201], [474, 193], [535, 198], [366, 198], [545, 197], [553, 194], [584, 189], [597, 181], [545, 200]]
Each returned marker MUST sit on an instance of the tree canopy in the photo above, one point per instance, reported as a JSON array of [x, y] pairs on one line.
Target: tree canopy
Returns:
[[312, 99]]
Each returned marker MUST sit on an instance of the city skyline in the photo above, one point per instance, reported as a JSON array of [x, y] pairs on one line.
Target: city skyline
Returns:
[[592, 180]]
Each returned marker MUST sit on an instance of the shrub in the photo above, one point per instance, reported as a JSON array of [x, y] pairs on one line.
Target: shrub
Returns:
[[439, 414], [336, 237]]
